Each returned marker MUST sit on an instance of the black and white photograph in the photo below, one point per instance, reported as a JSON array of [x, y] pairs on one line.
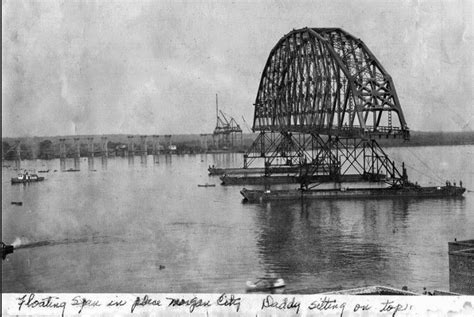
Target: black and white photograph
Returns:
[[290, 154]]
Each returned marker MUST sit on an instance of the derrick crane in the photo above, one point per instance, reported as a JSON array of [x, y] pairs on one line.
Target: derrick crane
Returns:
[[226, 131]]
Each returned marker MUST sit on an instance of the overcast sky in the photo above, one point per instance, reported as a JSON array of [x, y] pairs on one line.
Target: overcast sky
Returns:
[[100, 67]]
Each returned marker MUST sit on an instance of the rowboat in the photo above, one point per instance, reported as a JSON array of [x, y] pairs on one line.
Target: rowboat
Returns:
[[265, 284]]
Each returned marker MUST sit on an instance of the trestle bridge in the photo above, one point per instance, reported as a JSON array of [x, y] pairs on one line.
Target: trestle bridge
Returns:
[[87, 146]]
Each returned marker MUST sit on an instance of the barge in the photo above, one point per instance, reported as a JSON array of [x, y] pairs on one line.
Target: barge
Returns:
[[396, 191], [259, 170], [294, 179]]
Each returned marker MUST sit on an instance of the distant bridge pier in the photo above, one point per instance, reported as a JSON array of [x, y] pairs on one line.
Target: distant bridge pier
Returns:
[[156, 149], [18, 156], [143, 145], [105, 150], [214, 142], [168, 143], [90, 142], [77, 146], [131, 146], [77, 154], [62, 154], [204, 141], [62, 148]]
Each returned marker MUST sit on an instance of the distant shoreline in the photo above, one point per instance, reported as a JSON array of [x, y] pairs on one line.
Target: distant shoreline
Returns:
[[48, 147]]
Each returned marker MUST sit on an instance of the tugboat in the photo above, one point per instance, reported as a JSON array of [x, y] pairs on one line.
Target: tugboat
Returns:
[[26, 178]]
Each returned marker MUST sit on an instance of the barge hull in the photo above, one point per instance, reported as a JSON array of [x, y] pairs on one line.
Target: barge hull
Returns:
[[274, 180], [391, 192], [257, 170]]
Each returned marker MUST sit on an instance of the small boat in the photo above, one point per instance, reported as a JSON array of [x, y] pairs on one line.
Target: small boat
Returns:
[[43, 171], [6, 249], [206, 185], [17, 203], [26, 178], [265, 284], [72, 170]]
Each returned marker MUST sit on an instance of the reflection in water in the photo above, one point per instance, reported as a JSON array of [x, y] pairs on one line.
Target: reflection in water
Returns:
[[131, 160], [227, 159], [77, 163], [17, 164], [168, 159], [90, 163], [326, 241], [143, 159], [62, 164], [104, 162], [156, 158]]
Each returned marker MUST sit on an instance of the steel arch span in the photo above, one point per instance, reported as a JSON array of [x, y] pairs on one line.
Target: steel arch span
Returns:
[[325, 81]]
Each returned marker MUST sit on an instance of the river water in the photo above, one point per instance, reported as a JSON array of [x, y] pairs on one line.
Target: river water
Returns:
[[125, 225]]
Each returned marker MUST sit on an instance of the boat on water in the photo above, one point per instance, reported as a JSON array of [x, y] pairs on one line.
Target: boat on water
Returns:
[[6, 249], [265, 284], [206, 185], [27, 178], [395, 191]]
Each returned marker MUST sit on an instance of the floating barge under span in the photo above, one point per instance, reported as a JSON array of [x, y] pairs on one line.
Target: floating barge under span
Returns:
[[256, 196], [293, 179], [254, 170]]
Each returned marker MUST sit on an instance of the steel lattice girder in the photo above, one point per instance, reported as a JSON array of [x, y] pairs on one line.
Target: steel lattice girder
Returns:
[[326, 81], [315, 155]]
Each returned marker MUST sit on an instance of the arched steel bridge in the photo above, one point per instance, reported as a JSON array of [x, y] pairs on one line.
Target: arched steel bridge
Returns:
[[323, 101], [325, 81]]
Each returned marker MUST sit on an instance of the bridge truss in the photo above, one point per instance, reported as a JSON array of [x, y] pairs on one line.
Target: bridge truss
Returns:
[[322, 102]]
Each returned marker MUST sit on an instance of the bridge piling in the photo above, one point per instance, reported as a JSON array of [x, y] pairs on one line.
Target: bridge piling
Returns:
[[131, 146], [105, 150]]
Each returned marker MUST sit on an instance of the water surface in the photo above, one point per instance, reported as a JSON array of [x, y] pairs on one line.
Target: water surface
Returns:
[[133, 225]]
